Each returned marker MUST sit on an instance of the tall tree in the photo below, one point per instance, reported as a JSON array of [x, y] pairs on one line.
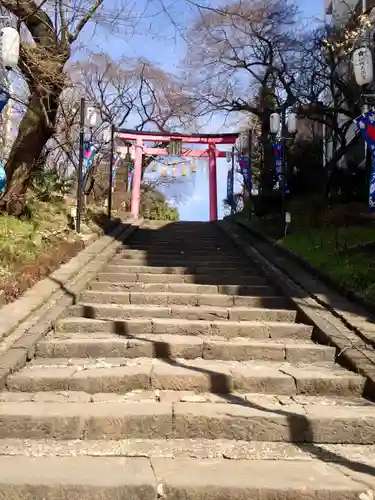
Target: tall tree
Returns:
[[45, 50]]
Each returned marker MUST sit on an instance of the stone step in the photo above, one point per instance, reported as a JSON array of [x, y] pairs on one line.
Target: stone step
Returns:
[[112, 478], [207, 313], [165, 253], [184, 244], [128, 256], [202, 449], [182, 299], [228, 269], [226, 328], [217, 279], [240, 290], [178, 346], [274, 402], [181, 261], [140, 420], [120, 375]]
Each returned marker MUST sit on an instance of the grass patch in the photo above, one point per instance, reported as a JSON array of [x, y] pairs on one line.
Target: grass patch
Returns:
[[338, 252], [33, 246], [332, 250]]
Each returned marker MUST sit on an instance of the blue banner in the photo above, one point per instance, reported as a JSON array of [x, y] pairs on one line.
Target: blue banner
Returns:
[[88, 160], [278, 154], [3, 178], [366, 124], [245, 169], [115, 166], [4, 98], [230, 188]]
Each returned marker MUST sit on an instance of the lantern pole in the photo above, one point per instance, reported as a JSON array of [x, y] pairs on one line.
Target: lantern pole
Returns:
[[80, 164], [110, 175], [287, 129]]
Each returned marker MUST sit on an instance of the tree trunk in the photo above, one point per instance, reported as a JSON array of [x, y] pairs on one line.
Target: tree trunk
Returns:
[[33, 133]]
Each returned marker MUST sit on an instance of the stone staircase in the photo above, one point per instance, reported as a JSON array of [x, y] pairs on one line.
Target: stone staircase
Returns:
[[182, 373]]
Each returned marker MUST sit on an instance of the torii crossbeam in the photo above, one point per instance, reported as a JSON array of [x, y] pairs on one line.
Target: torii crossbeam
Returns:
[[139, 138]]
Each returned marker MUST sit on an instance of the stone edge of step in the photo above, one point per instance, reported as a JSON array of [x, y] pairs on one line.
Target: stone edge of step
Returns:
[[353, 352], [22, 335], [149, 479]]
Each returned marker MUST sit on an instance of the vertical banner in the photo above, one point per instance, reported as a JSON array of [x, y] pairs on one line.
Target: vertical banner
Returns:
[[366, 124], [230, 188], [88, 160], [130, 176], [115, 166], [4, 98], [278, 152], [3, 178], [245, 169]]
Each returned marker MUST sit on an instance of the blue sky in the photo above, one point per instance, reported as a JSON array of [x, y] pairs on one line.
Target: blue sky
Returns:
[[156, 39]]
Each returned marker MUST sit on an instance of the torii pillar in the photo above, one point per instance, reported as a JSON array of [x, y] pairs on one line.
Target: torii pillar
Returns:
[[137, 176], [212, 180]]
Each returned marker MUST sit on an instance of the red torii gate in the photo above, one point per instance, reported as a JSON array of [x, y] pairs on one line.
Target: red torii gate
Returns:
[[141, 137]]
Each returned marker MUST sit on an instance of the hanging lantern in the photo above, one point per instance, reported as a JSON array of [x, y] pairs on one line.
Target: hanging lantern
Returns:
[[174, 172], [292, 123], [154, 167], [184, 172], [363, 66], [275, 123], [228, 156], [9, 47], [164, 172], [194, 167]]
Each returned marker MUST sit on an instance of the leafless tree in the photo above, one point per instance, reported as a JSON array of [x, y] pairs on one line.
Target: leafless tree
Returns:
[[50, 31]]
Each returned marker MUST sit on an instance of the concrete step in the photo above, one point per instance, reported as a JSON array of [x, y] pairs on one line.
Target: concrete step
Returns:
[[228, 269], [98, 478], [118, 420], [207, 313], [240, 290], [182, 299], [120, 375], [226, 328], [179, 346], [217, 279]]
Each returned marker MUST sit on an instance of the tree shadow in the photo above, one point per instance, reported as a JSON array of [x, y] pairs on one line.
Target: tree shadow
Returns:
[[222, 266]]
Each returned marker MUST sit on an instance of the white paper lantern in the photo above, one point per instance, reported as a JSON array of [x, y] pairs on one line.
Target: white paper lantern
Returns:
[[9, 47], [363, 66], [292, 123], [92, 116], [275, 123]]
